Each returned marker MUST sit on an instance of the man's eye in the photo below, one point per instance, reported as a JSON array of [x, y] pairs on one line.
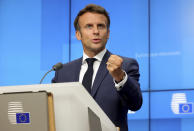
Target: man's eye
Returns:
[[88, 26], [101, 26]]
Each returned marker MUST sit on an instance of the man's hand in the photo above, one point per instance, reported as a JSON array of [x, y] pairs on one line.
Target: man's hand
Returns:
[[114, 66]]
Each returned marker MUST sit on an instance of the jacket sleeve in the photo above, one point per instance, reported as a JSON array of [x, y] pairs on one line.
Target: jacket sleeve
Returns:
[[54, 80], [130, 93]]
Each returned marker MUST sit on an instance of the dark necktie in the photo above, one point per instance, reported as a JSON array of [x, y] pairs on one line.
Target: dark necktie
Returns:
[[87, 80]]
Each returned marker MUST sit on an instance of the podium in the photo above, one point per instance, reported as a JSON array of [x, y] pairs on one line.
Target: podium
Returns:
[[74, 108]]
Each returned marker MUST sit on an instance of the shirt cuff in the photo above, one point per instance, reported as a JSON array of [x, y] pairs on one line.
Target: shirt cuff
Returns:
[[119, 85]]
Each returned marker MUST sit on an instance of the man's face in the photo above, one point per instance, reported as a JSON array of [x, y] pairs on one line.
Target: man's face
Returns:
[[93, 33]]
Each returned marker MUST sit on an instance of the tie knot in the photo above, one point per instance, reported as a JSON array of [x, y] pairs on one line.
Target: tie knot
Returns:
[[90, 61]]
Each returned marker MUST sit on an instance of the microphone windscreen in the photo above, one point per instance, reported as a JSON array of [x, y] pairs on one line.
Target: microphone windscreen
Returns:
[[57, 66]]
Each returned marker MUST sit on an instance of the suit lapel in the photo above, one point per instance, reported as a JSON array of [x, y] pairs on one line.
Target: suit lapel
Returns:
[[101, 73], [77, 69]]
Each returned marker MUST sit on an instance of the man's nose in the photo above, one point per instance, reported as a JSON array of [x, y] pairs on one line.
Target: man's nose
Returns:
[[95, 30]]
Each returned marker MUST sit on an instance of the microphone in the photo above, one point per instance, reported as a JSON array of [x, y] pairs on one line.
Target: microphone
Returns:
[[56, 67]]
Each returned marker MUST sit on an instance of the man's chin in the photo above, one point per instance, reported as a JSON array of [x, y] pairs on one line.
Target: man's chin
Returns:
[[97, 50]]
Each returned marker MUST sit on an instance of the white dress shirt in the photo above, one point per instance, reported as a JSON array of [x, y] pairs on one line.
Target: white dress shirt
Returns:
[[96, 65]]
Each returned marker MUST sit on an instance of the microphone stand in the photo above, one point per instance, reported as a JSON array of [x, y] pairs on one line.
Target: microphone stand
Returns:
[[45, 75]]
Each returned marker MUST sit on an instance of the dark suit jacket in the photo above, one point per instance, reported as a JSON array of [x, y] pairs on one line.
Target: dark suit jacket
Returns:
[[114, 103]]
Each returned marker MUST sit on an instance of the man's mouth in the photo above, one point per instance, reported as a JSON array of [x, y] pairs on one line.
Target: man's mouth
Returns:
[[96, 40]]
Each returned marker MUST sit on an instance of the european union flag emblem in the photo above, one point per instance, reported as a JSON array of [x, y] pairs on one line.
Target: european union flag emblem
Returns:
[[22, 118], [185, 108]]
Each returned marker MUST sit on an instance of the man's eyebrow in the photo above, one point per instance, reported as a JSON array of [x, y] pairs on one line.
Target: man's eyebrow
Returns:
[[101, 24], [88, 24]]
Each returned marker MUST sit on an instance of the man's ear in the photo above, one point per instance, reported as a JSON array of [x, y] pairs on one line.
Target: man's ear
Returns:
[[108, 34], [78, 34]]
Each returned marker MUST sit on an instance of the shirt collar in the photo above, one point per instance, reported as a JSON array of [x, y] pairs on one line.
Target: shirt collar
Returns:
[[99, 56]]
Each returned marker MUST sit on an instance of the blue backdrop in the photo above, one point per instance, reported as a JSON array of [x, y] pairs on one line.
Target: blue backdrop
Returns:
[[36, 34]]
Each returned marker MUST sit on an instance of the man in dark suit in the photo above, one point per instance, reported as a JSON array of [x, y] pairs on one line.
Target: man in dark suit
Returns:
[[114, 79]]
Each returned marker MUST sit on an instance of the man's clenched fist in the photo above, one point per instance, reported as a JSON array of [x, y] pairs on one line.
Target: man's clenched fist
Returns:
[[114, 66]]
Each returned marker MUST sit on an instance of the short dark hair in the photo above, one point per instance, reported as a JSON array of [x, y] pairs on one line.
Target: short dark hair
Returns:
[[94, 9]]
